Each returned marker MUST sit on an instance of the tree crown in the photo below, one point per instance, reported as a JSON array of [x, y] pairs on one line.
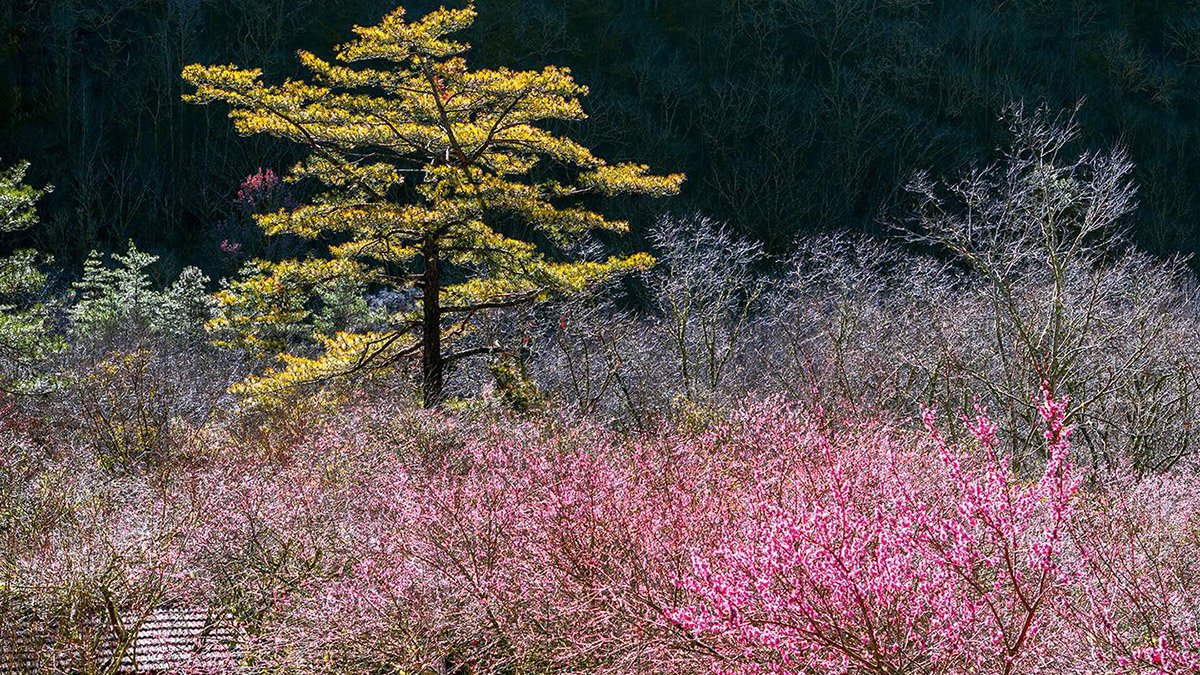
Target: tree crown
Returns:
[[424, 166]]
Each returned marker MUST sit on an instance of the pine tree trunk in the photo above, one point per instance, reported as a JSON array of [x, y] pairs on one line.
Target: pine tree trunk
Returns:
[[432, 365]]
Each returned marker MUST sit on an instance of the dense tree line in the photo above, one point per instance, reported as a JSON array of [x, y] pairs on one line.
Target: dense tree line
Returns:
[[787, 115]]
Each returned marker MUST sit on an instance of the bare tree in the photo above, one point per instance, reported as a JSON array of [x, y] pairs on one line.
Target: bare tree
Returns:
[[706, 291]]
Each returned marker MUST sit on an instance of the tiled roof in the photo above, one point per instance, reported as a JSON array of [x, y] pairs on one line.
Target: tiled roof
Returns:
[[20, 649], [168, 640]]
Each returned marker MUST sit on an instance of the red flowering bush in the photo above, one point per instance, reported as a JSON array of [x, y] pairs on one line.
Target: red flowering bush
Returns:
[[263, 192]]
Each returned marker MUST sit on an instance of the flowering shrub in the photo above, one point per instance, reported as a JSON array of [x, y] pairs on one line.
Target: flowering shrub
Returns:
[[777, 539], [236, 239], [263, 192], [85, 557], [886, 556], [1140, 575], [517, 548]]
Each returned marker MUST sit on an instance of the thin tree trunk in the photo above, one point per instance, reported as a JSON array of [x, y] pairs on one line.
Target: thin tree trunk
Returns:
[[432, 364]]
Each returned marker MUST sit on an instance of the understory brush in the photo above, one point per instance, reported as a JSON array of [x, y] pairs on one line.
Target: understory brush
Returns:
[[781, 538], [778, 538], [1005, 276]]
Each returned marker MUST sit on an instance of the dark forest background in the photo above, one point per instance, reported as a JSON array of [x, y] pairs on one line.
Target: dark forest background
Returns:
[[788, 116]]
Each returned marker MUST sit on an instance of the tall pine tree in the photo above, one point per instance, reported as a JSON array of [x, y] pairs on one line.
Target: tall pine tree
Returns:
[[421, 162]]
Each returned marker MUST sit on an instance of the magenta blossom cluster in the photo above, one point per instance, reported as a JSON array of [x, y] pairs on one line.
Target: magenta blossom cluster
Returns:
[[895, 557], [263, 192]]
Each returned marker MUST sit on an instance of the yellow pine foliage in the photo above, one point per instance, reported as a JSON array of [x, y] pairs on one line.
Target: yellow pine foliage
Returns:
[[418, 159]]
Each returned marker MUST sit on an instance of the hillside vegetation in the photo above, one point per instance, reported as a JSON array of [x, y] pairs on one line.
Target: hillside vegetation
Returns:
[[473, 384]]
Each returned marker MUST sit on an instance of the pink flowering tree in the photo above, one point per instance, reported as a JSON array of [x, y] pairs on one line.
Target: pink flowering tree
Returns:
[[891, 557], [1139, 600]]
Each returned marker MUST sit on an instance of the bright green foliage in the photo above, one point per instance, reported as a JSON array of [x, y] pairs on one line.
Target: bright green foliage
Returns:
[[422, 163], [25, 337], [121, 297]]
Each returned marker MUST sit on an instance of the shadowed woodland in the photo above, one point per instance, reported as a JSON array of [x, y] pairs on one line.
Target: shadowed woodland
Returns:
[[789, 116]]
